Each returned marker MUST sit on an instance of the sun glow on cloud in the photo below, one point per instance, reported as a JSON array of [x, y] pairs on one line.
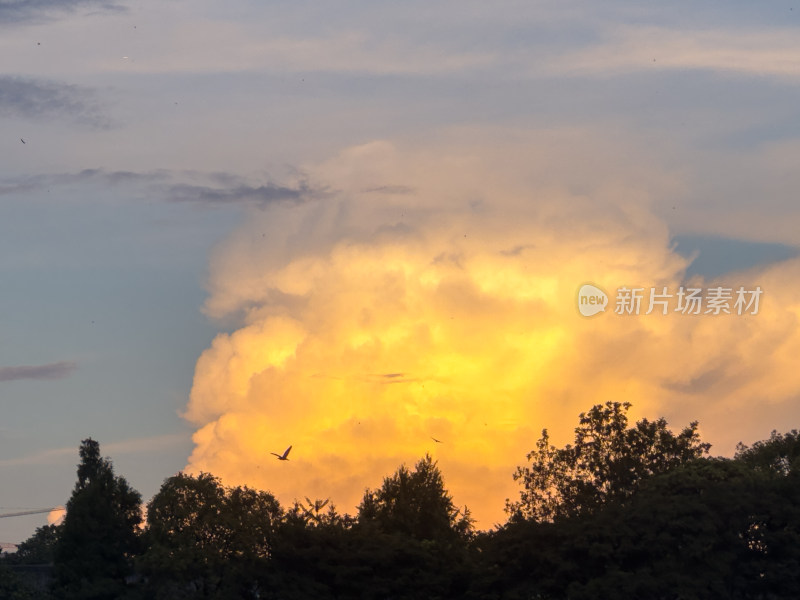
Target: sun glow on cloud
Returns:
[[433, 296]]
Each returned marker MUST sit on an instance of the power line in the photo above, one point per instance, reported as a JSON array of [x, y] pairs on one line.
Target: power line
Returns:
[[37, 511]]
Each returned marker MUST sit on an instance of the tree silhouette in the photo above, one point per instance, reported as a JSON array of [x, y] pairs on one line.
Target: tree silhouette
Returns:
[[779, 454], [416, 503], [98, 538], [607, 461], [208, 541], [38, 549]]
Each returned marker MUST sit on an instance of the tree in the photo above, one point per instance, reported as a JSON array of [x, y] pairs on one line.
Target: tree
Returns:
[[12, 587], [408, 542], [779, 454], [607, 461], [208, 541], [98, 539], [415, 503], [707, 529], [39, 549]]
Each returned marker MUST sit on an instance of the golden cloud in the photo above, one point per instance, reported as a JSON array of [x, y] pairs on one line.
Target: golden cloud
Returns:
[[433, 296]]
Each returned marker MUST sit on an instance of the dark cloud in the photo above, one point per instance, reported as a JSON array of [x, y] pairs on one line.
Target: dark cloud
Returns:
[[20, 11], [239, 193], [399, 190], [700, 384], [18, 187], [37, 99], [517, 250], [87, 176], [115, 177], [388, 378], [58, 370], [215, 189]]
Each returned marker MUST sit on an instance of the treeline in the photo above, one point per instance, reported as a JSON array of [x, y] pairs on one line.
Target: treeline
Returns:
[[624, 512]]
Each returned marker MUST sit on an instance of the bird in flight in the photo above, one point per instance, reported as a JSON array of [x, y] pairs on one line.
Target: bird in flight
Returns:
[[23, 141], [284, 456], [437, 441]]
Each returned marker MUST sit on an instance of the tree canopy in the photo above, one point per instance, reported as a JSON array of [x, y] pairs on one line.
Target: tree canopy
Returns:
[[607, 461], [98, 539], [415, 503], [200, 536], [623, 512], [779, 454]]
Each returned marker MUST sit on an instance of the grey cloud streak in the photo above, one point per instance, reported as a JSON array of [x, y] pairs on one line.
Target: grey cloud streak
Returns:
[[50, 371], [263, 194], [36, 99], [207, 189]]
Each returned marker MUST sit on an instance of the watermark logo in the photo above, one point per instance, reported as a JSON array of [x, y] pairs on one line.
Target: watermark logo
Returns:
[[686, 300], [591, 300]]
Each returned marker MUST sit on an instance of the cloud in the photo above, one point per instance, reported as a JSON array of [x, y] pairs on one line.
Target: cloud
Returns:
[[53, 456], [767, 53], [142, 445], [100, 177], [20, 11], [56, 516], [371, 322], [238, 193], [37, 99], [390, 189], [191, 187], [206, 45], [58, 370]]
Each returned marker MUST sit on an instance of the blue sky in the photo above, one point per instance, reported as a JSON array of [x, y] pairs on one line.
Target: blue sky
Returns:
[[161, 138]]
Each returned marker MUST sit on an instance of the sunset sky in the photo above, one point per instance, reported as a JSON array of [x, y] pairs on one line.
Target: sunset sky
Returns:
[[227, 228]]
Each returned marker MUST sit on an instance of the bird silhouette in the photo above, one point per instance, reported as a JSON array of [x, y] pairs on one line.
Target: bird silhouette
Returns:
[[284, 456], [437, 441], [23, 141]]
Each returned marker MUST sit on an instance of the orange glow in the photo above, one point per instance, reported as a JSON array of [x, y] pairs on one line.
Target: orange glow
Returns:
[[56, 516], [373, 322]]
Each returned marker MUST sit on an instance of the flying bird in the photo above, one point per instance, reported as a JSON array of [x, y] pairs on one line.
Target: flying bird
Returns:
[[23, 141], [284, 456], [437, 441]]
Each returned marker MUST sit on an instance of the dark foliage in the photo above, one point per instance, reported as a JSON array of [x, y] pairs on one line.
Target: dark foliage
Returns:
[[624, 513], [98, 539], [206, 541], [13, 586], [39, 549], [710, 529], [607, 462], [416, 504]]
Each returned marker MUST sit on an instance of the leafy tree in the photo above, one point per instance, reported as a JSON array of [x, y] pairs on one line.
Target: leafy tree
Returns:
[[779, 454], [311, 514], [415, 503], [39, 549], [93, 554], [207, 541], [714, 528], [12, 587], [708, 529], [607, 461], [408, 542], [331, 561]]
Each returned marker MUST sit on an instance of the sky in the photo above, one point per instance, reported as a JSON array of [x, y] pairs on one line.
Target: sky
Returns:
[[354, 227]]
